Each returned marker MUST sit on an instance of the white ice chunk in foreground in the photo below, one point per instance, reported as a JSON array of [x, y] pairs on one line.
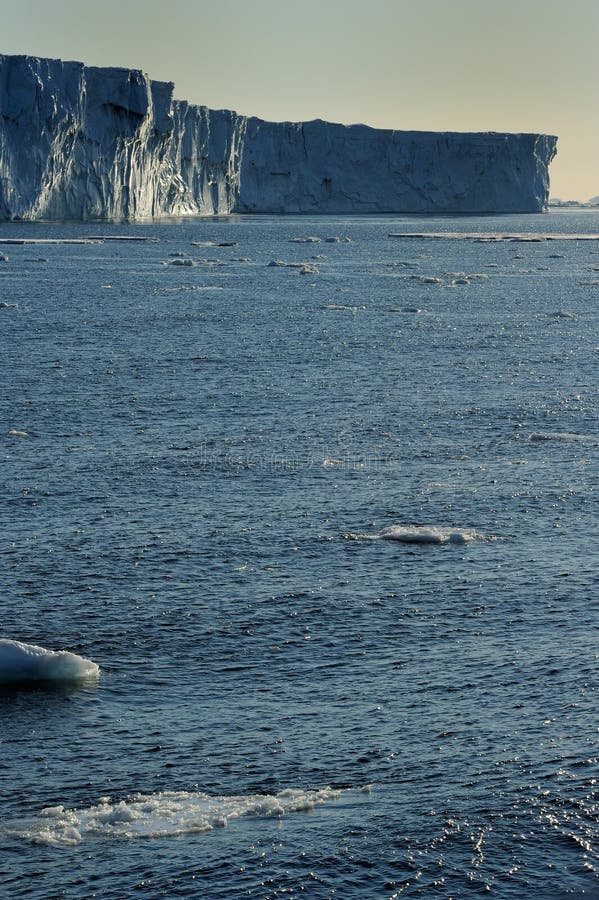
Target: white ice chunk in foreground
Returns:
[[26, 663]]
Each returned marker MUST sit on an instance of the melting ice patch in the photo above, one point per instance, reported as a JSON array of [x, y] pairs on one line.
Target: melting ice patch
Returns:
[[423, 534], [164, 814], [559, 436], [28, 664]]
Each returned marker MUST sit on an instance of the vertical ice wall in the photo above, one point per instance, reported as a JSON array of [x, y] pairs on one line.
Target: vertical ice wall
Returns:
[[81, 142]]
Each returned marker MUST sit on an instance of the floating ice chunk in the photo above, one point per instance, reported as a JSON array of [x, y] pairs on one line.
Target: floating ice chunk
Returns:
[[213, 243], [429, 279], [305, 240], [128, 238], [308, 270], [281, 264], [559, 436], [179, 262], [16, 432], [27, 663], [492, 236], [164, 814], [461, 280], [422, 534], [425, 534], [340, 306], [19, 241]]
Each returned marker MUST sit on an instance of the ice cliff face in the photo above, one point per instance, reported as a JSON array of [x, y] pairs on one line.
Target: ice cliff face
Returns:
[[78, 142]]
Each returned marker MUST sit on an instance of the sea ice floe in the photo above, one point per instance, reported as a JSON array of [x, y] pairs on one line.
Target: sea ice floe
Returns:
[[281, 264], [340, 306], [423, 534], [213, 243], [192, 262], [90, 240], [494, 236], [559, 436], [305, 240], [27, 663], [128, 238], [164, 814], [428, 534]]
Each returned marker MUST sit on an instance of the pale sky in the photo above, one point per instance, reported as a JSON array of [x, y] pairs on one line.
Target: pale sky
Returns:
[[433, 65]]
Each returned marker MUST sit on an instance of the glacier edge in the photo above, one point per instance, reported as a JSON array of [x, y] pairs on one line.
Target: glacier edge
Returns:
[[82, 142]]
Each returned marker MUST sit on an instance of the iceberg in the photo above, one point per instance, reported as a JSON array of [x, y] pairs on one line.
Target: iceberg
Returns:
[[29, 664], [84, 142]]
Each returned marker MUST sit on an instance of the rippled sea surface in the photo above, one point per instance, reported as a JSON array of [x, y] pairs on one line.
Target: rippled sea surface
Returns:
[[202, 462]]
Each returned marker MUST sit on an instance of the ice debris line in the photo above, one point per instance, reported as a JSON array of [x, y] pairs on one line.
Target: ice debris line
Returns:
[[82, 142], [28, 664]]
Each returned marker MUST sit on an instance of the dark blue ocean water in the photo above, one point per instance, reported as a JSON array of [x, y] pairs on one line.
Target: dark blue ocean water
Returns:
[[200, 441]]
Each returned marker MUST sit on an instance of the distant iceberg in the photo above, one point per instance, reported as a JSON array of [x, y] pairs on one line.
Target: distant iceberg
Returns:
[[81, 142], [29, 664]]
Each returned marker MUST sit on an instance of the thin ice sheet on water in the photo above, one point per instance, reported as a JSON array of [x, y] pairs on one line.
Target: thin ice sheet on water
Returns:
[[163, 814]]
